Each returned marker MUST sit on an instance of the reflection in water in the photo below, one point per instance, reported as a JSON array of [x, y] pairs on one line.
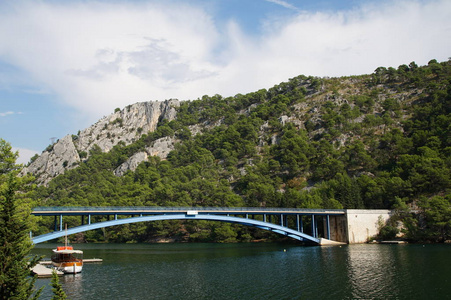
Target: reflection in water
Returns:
[[371, 272], [72, 284]]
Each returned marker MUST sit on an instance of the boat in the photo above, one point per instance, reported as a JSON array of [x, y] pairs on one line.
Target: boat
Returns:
[[66, 259]]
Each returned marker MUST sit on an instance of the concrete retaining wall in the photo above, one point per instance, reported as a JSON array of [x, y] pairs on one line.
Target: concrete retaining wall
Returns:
[[364, 224]]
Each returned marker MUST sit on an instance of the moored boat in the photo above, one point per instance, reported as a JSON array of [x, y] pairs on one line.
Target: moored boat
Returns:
[[67, 260]]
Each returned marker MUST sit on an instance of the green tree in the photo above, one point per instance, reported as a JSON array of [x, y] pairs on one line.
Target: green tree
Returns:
[[15, 243], [437, 212], [57, 289]]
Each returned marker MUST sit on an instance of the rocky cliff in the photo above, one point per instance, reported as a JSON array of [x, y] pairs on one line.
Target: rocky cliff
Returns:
[[160, 148], [122, 126]]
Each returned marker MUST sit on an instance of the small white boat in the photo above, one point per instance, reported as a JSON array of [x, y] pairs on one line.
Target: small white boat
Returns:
[[67, 260]]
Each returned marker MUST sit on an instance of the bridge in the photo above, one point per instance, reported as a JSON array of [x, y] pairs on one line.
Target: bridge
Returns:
[[285, 221]]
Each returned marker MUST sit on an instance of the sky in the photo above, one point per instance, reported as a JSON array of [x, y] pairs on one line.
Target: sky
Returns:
[[66, 64]]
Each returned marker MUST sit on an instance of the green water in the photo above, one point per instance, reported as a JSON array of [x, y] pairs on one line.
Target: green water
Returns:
[[258, 271]]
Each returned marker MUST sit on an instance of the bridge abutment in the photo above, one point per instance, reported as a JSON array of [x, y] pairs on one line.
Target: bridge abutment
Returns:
[[358, 226]]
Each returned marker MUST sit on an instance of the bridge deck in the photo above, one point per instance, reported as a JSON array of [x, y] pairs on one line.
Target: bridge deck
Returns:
[[147, 210]]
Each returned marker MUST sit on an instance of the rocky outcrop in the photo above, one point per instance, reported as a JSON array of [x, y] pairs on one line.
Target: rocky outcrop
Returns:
[[49, 164], [131, 163], [123, 126], [160, 148], [126, 125]]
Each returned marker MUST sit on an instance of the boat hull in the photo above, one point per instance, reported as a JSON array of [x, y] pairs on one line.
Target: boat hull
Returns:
[[69, 267]]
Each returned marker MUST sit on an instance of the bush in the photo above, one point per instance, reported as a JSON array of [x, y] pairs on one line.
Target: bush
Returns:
[[388, 232]]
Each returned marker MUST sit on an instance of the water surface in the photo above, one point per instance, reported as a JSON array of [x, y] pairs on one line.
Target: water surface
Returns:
[[258, 271]]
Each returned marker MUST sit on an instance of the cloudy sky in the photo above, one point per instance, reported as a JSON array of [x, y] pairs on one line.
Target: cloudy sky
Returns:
[[65, 64]]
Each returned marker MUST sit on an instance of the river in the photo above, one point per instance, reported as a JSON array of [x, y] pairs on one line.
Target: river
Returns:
[[258, 271]]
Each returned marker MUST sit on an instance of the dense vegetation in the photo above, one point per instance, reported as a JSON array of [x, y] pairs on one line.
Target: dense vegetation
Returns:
[[373, 141], [15, 225]]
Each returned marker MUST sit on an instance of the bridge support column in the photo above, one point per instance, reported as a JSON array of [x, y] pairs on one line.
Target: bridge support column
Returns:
[[281, 220], [61, 222], [89, 219], [264, 218], [115, 217], [82, 220], [313, 226], [55, 226], [328, 227], [316, 229]]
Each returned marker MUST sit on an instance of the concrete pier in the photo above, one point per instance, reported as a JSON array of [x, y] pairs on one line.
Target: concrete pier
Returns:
[[326, 242]]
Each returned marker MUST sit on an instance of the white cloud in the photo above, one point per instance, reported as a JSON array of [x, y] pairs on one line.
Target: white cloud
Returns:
[[283, 3], [8, 113], [4, 114], [24, 155], [96, 56]]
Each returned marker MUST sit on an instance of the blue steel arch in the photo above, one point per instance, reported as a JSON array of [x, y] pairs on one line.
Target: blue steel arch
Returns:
[[243, 221]]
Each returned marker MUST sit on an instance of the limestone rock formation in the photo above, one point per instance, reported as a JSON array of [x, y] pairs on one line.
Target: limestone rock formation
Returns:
[[160, 148], [49, 164], [124, 126], [131, 163]]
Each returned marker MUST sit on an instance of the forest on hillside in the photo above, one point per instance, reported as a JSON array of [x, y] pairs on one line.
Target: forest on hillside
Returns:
[[371, 141]]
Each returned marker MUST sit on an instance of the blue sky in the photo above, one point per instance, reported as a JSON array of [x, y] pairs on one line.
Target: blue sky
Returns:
[[66, 64]]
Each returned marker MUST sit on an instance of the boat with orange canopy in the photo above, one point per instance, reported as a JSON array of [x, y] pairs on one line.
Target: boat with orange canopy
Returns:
[[66, 259]]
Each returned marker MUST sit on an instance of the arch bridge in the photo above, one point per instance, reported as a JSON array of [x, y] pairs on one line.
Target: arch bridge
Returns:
[[285, 221]]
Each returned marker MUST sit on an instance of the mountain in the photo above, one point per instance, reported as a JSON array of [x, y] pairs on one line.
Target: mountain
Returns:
[[121, 127], [372, 141]]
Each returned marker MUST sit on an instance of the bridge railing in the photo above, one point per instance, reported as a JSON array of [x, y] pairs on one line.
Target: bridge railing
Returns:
[[181, 209]]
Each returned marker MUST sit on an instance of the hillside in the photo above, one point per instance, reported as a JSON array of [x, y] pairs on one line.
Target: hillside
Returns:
[[372, 141]]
